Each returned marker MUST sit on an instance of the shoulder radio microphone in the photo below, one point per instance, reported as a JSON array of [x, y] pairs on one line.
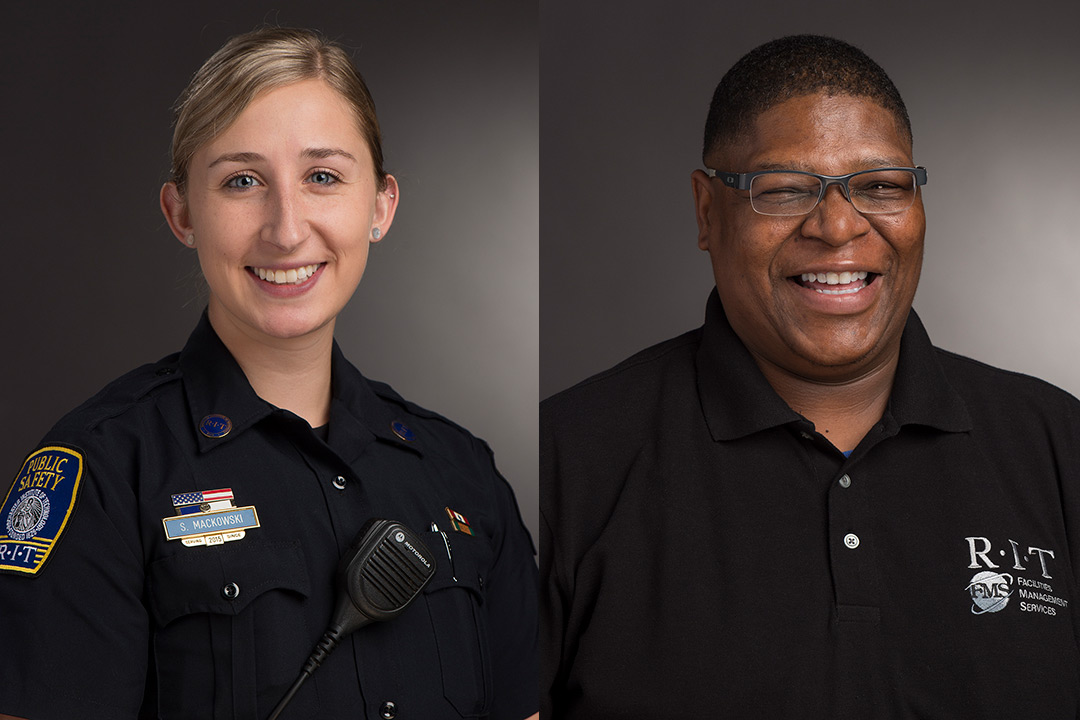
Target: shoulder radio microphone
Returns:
[[383, 571]]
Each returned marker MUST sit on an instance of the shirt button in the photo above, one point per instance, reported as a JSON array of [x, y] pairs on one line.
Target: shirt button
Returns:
[[806, 436], [231, 591], [339, 482], [388, 710], [845, 481], [851, 540]]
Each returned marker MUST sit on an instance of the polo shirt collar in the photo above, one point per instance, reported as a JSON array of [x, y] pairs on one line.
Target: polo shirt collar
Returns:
[[922, 394], [738, 401], [736, 398]]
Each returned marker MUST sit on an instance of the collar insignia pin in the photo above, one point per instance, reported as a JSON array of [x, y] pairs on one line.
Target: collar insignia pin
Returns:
[[402, 431], [215, 426]]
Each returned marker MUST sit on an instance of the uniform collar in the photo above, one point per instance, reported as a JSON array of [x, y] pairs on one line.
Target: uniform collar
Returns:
[[358, 414], [216, 386], [737, 400]]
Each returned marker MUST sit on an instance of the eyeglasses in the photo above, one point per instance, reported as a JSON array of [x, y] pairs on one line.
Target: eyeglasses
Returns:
[[880, 191]]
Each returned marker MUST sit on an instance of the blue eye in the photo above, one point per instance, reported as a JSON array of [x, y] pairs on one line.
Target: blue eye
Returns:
[[323, 177], [241, 182]]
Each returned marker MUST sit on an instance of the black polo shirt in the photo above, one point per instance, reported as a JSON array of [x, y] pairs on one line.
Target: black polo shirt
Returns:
[[706, 554], [120, 618]]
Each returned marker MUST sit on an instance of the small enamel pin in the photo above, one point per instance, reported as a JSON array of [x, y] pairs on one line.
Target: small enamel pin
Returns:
[[458, 522], [215, 426], [403, 431], [208, 518]]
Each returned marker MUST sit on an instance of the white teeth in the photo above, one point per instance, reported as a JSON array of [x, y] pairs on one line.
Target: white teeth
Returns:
[[839, 279], [291, 276], [844, 291]]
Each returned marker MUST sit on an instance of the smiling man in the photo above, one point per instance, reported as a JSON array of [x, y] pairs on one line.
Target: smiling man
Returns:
[[803, 508]]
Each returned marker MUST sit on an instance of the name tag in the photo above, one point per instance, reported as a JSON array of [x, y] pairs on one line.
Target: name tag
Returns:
[[202, 525]]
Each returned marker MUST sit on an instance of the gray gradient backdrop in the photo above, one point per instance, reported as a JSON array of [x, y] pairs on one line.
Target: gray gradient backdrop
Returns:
[[447, 312], [993, 89]]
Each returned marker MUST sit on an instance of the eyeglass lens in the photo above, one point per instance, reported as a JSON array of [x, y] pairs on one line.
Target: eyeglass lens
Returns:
[[877, 191]]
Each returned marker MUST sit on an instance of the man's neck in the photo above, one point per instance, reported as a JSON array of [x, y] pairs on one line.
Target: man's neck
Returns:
[[844, 411]]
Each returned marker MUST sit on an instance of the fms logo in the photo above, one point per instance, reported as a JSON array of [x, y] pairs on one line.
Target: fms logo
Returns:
[[990, 591]]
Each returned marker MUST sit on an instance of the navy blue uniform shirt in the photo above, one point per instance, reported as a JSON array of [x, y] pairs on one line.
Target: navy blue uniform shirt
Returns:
[[119, 621], [705, 553]]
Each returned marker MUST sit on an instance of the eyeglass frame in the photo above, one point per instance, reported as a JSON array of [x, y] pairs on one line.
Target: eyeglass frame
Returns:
[[741, 181]]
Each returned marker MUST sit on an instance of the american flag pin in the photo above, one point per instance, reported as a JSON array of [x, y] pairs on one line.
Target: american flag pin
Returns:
[[192, 502]]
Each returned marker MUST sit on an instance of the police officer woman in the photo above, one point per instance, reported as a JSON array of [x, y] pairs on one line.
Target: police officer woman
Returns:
[[170, 548]]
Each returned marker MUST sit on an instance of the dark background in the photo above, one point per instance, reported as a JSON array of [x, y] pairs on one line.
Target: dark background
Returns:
[[447, 311], [993, 90]]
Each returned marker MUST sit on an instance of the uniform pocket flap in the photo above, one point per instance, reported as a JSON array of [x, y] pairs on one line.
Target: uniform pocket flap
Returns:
[[461, 561], [224, 580]]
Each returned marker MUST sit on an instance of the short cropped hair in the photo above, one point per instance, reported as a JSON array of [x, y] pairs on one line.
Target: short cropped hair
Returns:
[[255, 62], [790, 67]]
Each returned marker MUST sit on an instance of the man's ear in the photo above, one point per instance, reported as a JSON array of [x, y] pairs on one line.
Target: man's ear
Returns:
[[704, 199], [386, 203], [175, 210]]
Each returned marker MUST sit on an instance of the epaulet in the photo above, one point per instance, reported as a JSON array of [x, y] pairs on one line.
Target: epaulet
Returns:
[[124, 392]]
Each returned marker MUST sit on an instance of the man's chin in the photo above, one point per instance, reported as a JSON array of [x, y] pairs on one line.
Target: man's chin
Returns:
[[837, 363]]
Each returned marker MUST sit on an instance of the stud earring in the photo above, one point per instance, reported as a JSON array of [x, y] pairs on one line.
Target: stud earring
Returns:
[[190, 240], [376, 233]]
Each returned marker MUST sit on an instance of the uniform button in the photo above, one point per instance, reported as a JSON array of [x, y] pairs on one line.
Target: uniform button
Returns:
[[851, 540], [231, 591], [845, 481], [339, 482], [388, 710], [161, 372]]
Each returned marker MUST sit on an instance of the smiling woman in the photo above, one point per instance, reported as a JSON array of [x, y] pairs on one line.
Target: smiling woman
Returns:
[[281, 208], [281, 452]]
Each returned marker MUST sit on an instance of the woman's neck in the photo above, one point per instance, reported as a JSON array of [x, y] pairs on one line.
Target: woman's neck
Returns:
[[289, 373]]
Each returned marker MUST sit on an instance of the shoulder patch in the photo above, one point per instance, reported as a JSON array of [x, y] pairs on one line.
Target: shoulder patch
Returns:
[[37, 508]]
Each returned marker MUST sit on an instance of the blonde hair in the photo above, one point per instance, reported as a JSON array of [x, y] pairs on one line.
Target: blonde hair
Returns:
[[255, 62]]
